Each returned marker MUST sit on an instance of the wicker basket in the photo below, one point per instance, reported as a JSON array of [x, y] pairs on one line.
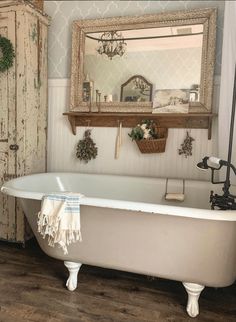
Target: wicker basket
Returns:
[[155, 145]]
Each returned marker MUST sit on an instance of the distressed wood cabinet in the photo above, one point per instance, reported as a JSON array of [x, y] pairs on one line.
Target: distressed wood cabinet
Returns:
[[23, 107]]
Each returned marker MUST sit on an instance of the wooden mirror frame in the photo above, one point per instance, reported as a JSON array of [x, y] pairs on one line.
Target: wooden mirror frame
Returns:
[[207, 17]]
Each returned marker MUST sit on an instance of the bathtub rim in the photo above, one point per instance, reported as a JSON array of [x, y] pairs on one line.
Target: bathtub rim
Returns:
[[197, 213]]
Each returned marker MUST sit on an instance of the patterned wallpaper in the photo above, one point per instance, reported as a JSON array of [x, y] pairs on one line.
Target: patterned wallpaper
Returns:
[[175, 68], [64, 12]]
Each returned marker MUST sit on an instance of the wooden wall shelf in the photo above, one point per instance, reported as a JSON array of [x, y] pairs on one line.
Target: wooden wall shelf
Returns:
[[191, 120]]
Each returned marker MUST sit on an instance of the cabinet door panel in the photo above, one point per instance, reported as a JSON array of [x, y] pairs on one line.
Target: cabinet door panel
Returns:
[[7, 132]]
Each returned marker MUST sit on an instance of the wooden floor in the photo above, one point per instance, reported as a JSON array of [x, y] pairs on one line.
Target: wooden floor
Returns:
[[32, 288]]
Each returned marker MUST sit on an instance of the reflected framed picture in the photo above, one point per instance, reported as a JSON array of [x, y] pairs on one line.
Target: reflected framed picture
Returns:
[[171, 101], [87, 91], [136, 89]]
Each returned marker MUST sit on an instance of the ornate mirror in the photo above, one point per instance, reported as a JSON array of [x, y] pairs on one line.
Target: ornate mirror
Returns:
[[136, 89], [143, 63]]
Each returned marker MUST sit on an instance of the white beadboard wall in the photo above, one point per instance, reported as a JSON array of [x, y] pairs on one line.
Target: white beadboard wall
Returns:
[[62, 145]]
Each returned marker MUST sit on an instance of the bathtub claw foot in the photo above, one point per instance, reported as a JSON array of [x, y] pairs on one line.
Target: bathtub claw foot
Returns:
[[73, 269], [194, 291]]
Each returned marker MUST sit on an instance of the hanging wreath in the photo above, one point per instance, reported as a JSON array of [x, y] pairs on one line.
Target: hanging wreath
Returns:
[[8, 54]]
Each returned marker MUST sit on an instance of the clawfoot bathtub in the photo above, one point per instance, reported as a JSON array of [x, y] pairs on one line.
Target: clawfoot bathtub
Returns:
[[127, 224]]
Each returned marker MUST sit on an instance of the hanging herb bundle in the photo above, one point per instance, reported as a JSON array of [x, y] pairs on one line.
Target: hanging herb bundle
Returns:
[[187, 146], [8, 54], [86, 148]]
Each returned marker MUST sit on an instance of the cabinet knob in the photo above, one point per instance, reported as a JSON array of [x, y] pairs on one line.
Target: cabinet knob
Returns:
[[14, 147]]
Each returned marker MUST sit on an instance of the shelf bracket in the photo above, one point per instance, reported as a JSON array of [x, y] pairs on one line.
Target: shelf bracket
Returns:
[[209, 127], [72, 123]]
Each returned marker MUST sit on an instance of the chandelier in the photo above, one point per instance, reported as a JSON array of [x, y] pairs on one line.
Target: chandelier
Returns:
[[111, 44]]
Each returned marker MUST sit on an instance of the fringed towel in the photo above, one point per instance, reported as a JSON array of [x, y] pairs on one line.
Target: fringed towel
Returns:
[[59, 219]]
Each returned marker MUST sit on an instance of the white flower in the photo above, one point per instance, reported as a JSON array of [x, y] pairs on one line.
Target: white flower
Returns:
[[144, 126], [146, 134]]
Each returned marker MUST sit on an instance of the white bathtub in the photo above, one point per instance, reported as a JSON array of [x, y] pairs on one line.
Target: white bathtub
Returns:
[[127, 224]]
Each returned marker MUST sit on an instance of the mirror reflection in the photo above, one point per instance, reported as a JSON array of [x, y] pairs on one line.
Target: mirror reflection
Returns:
[[136, 89], [166, 58]]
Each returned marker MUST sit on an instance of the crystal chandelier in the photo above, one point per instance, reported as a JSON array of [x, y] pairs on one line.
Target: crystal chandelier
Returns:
[[111, 44]]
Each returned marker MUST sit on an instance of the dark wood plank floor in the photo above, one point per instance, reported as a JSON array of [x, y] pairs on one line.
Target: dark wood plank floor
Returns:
[[32, 288]]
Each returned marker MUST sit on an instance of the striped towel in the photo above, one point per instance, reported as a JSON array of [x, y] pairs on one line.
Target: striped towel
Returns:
[[59, 219]]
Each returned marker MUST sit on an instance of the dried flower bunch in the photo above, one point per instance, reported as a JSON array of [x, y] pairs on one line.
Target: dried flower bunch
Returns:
[[146, 130], [86, 148], [187, 146]]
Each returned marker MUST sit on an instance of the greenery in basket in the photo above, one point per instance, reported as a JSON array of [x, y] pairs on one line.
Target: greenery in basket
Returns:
[[146, 130]]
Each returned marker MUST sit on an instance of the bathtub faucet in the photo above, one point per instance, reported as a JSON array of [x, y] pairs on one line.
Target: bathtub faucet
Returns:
[[214, 163], [227, 200]]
